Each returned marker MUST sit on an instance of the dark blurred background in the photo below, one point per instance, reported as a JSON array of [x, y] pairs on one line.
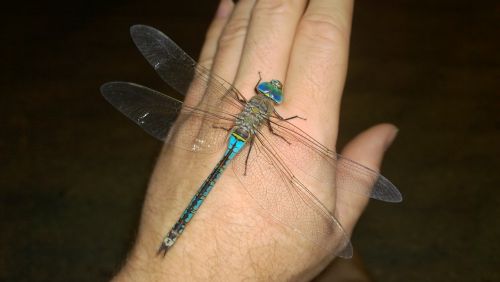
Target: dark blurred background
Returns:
[[74, 170]]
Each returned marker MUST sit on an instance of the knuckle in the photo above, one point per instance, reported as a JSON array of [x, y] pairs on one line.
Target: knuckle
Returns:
[[324, 29], [272, 8], [234, 30]]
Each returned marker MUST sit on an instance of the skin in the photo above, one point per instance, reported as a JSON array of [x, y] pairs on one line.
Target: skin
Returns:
[[304, 44]]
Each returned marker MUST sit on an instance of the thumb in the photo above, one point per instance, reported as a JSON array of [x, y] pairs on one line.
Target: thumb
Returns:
[[367, 148]]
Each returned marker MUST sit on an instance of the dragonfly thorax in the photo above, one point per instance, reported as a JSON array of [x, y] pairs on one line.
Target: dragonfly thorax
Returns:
[[256, 111]]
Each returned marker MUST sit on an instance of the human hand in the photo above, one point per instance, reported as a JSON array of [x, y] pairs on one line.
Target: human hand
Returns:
[[305, 45]]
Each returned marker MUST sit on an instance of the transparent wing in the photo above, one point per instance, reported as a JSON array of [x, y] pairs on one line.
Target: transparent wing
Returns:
[[181, 72], [203, 90], [272, 185], [156, 113], [303, 153], [173, 65]]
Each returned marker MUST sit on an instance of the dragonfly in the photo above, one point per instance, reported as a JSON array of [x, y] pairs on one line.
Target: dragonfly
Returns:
[[269, 154]]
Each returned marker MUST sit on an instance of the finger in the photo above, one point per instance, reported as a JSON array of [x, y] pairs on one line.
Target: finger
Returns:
[[214, 32], [268, 43], [368, 149], [231, 41], [318, 66]]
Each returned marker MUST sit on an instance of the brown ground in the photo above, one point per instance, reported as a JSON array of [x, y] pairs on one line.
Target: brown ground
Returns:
[[74, 170]]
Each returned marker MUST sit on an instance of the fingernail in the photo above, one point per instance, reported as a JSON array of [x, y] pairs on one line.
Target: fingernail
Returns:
[[390, 137], [223, 10]]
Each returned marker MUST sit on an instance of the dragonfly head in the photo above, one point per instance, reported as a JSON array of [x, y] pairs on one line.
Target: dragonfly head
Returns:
[[272, 90]]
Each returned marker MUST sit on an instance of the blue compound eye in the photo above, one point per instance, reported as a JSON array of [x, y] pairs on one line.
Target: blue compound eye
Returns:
[[277, 95], [272, 90]]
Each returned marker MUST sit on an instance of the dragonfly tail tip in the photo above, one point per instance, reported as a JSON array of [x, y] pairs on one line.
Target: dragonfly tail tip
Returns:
[[163, 249]]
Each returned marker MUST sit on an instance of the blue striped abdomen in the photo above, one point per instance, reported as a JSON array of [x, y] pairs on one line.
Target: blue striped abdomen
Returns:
[[235, 144]]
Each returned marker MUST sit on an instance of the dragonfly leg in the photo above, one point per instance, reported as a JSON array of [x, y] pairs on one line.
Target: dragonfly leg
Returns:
[[274, 133], [248, 155], [288, 118], [240, 96]]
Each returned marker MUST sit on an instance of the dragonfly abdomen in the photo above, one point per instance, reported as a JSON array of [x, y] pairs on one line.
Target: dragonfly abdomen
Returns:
[[236, 143]]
